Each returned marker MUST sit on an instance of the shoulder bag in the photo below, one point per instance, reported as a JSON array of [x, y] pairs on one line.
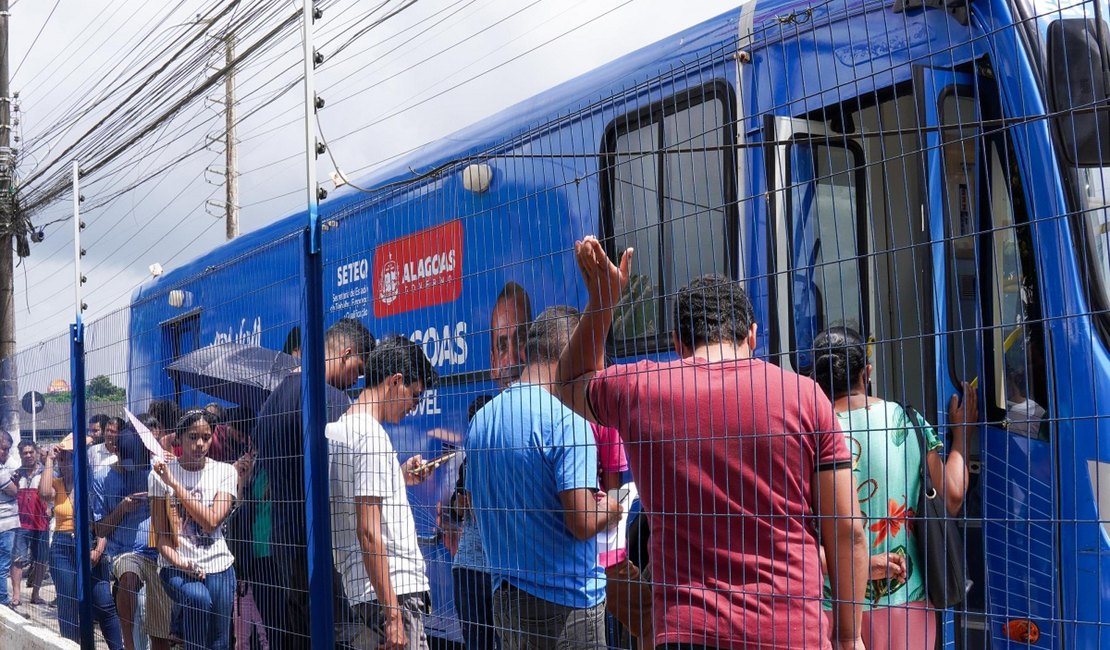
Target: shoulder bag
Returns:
[[942, 544]]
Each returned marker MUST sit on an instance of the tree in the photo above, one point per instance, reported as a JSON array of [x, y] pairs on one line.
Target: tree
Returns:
[[101, 389]]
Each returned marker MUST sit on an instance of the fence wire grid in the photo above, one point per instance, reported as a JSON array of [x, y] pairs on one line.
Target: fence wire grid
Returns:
[[847, 390]]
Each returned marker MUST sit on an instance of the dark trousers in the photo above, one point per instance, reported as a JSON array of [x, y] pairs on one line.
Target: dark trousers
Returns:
[[473, 592], [527, 622], [291, 629]]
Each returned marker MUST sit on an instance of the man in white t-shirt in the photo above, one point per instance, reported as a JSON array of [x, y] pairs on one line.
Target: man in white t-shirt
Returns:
[[378, 557]]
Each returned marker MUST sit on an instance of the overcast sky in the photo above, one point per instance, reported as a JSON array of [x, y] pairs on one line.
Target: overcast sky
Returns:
[[168, 222]]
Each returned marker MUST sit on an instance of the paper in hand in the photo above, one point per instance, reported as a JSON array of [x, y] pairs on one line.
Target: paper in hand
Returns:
[[157, 453]]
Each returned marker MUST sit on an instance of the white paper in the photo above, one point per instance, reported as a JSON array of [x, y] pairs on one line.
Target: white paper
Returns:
[[616, 537], [149, 441]]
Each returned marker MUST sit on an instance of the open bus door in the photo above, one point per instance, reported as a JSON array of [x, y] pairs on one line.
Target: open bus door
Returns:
[[820, 225], [978, 309]]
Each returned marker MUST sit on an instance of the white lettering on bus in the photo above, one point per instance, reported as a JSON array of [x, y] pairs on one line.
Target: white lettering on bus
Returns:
[[444, 346], [352, 272]]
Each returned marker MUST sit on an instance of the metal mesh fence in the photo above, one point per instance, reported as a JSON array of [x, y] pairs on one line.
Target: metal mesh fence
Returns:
[[849, 383]]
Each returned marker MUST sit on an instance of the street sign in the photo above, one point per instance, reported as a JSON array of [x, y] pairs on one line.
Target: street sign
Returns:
[[34, 402]]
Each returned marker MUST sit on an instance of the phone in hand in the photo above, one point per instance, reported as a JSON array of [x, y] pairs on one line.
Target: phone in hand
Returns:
[[434, 463]]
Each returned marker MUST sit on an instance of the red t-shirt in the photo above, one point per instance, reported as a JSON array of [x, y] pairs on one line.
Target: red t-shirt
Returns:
[[724, 455]]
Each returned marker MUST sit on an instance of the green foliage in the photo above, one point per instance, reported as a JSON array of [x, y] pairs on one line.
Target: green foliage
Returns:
[[98, 389], [101, 389]]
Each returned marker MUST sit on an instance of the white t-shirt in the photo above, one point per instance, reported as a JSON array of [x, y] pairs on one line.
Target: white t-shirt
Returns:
[[100, 460], [208, 550], [363, 463]]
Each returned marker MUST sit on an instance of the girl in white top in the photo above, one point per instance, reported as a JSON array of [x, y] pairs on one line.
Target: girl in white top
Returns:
[[192, 496]]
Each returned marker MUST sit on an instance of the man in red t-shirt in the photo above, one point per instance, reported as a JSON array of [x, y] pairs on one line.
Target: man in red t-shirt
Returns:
[[739, 465]]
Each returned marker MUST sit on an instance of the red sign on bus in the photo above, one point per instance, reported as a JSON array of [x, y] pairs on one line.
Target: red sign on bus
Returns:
[[418, 270]]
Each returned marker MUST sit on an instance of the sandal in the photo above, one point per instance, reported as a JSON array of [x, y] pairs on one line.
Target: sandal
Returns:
[[38, 601]]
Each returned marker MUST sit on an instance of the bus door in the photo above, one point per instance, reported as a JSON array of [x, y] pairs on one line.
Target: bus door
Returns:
[[820, 236], [985, 317]]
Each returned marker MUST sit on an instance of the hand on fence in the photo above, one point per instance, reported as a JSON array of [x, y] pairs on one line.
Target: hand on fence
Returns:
[[962, 416], [605, 281]]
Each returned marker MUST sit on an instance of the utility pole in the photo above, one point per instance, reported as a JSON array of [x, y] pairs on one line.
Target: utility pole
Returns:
[[9, 410], [231, 168]]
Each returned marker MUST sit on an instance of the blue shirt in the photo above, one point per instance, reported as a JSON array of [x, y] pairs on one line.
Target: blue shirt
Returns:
[[132, 533], [523, 449]]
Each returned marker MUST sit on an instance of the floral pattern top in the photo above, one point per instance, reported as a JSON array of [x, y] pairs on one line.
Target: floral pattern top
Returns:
[[886, 464]]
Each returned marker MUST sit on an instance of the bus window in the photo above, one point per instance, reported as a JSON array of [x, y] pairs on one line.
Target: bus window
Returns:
[[959, 141], [1017, 347], [635, 215], [828, 280], [179, 337], [671, 196], [1096, 186]]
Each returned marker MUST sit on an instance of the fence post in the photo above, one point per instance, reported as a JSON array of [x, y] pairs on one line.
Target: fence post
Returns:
[[80, 485], [317, 507]]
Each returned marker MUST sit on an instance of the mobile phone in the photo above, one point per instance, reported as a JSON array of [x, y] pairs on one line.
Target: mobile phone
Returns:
[[432, 464]]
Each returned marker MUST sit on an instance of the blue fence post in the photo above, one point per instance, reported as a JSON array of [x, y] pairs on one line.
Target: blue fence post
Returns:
[[317, 508], [81, 485]]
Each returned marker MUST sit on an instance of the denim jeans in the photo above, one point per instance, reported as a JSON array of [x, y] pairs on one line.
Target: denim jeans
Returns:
[[473, 592], [205, 606], [63, 568], [7, 547]]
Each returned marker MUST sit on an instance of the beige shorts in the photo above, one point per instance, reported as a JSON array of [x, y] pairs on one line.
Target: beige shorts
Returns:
[[156, 622]]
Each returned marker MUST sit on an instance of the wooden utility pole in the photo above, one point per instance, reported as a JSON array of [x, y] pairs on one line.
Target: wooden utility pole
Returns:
[[9, 389], [231, 171]]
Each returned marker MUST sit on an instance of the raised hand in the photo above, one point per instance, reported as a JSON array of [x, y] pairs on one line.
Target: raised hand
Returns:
[[605, 281]]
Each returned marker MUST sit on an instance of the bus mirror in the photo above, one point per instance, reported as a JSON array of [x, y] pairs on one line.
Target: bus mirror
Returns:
[[1079, 87]]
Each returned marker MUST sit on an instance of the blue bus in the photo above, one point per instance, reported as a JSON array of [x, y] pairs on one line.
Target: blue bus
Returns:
[[932, 173]]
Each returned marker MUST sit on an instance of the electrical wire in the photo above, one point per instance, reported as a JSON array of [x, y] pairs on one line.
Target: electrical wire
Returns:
[[35, 40]]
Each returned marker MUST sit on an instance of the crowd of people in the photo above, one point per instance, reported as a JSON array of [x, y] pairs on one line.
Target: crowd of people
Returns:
[[711, 501]]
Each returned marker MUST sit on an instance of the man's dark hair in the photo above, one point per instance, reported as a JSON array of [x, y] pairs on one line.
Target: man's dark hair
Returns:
[[121, 424], [397, 354], [23, 444], [348, 332], [549, 334], [242, 418], [712, 309], [151, 422], [477, 405], [216, 410], [292, 341], [166, 412], [99, 420], [5, 438], [132, 452]]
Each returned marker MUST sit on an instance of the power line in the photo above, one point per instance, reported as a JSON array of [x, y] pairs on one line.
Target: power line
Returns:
[[36, 39]]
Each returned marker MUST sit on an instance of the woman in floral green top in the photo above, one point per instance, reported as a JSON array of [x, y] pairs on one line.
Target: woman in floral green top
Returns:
[[887, 466]]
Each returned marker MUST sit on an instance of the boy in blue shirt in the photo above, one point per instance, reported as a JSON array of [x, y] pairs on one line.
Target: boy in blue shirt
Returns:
[[121, 513]]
